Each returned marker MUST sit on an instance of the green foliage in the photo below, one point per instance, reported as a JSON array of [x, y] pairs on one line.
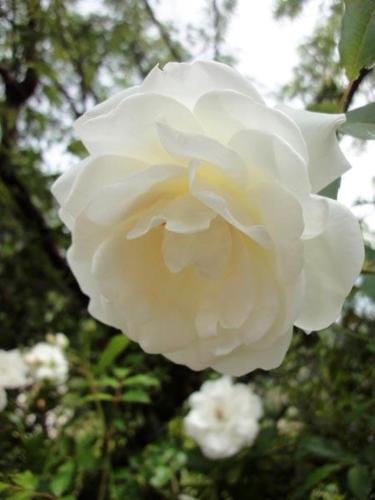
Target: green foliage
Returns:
[[360, 123], [357, 43]]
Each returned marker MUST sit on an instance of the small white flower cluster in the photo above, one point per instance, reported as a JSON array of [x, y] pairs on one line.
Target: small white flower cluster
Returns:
[[223, 418], [46, 361], [13, 373]]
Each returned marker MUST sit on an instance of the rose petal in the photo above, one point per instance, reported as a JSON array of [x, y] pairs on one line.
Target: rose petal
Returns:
[[326, 160], [333, 260], [186, 82]]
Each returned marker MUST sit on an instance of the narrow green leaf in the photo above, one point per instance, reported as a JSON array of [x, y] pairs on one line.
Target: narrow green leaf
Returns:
[[142, 379], [116, 346], [136, 396], [360, 123], [357, 42], [98, 396], [359, 481]]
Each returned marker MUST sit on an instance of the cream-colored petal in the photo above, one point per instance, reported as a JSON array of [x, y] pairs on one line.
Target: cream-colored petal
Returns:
[[121, 200], [183, 214], [209, 251], [332, 263], [246, 359], [130, 127], [105, 106], [224, 113], [269, 156], [326, 160], [96, 173], [198, 147], [227, 199], [186, 82]]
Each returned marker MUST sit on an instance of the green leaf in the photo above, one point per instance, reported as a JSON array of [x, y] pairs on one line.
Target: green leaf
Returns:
[[357, 42], [360, 123], [63, 478], [136, 396], [142, 379], [116, 346], [331, 190], [314, 478], [323, 448], [359, 481], [98, 396], [26, 480]]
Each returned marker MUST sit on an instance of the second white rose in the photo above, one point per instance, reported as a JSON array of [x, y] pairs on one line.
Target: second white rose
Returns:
[[195, 222]]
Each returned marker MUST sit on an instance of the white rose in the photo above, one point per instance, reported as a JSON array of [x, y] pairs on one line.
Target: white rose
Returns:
[[13, 370], [47, 362], [223, 417], [195, 224], [3, 399]]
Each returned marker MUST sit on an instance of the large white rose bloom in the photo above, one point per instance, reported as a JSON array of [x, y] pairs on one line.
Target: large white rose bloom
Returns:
[[47, 362], [195, 224], [223, 418], [13, 370]]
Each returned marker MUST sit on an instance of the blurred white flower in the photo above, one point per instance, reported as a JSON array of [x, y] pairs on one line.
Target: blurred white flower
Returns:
[[13, 370], [47, 362], [56, 419], [223, 418], [60, 339], [3, 399]]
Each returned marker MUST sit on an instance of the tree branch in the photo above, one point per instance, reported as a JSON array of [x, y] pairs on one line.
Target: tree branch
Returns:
[[163, 32]]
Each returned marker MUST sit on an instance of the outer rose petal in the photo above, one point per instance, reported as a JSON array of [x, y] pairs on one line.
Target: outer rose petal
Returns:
[[224, 113], [130, 127], [105, 106], [186, 82], [333, 260], [327, 162], [245, 359]]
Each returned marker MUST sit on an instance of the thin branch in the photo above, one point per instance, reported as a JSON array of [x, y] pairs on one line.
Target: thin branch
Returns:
[[351, 90], [217, 28], [163, 32]]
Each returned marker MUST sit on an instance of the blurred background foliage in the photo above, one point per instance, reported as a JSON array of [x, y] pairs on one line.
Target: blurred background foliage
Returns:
[[123, 438]]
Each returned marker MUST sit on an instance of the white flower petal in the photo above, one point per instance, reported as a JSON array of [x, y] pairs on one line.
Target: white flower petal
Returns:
[[224, 113], [333, 260], [199, 147], [93, 174], [268, 155], [105, 106], [246, 359], [116, 202], [186, 82], [130, 128], [326, 160]]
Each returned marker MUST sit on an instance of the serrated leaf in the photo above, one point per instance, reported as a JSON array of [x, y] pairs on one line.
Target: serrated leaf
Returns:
[[360, 123], [116, 346], [357, 41], [359, 481], [136, 396]]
